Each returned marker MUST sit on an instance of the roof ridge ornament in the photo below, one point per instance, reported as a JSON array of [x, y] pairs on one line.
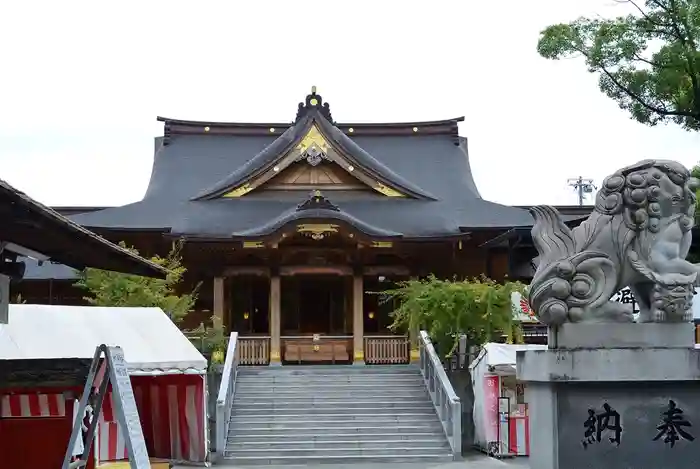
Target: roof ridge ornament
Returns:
[[314, 102], [317, 201]]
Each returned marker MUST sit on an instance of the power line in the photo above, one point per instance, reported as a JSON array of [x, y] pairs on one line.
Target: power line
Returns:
[[583, 187]]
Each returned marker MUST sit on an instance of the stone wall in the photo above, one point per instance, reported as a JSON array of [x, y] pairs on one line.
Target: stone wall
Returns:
[[640, 409], [462, 383]]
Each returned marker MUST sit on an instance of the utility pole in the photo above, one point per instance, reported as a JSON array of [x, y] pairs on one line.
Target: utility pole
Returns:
[[583, 187]]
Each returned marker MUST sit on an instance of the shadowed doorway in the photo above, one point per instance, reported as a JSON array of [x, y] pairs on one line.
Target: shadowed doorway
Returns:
[[313, 304]]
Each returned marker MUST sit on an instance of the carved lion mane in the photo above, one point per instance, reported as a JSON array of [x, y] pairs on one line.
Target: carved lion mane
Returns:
[[638, 209]]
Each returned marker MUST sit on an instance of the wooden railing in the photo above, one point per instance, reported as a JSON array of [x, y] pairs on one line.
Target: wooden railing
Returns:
[[254, 350], [387, 349]]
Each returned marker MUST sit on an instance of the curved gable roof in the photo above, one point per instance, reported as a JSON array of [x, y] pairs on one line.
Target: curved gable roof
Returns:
[[193, 155], [275, 153], [316, 207]]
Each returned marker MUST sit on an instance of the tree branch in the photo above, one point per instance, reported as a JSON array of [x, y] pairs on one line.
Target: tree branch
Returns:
[[649, 62], [631, 94], [660, 5], [636, 97], [687, 42], [645, 15]]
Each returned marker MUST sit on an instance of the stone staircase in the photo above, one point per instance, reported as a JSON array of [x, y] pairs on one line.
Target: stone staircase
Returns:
[[333, 414]]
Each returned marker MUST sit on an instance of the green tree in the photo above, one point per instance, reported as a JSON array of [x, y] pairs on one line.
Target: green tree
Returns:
[[694, 255], [479, 308], [210, 340], [107, 288], [18, 300], [648, 61]]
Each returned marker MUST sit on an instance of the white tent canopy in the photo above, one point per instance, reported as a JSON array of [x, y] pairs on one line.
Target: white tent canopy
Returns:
[[152, 344], [500, 358]]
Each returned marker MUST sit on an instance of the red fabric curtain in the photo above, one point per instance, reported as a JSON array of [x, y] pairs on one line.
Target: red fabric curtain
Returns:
[[171, 409]]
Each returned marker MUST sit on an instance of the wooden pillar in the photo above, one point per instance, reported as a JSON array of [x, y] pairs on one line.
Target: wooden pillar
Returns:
[[413, 339], [275, 320], [219, 299], [358, 319]]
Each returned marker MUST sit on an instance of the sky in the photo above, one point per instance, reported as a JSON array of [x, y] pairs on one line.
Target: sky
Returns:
[[81, 85]]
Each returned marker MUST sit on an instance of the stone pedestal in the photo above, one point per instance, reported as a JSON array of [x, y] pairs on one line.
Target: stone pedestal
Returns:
[[633, 371]]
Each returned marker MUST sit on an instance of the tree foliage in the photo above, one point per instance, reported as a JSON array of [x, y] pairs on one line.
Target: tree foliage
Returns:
[[694, 255], [479, 308], [18, 300], [210, 340], [108, 288], [648, 61]]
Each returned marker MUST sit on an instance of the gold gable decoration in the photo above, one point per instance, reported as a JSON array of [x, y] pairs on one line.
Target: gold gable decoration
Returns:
[[313, 147], [239, 191], [381, 244], [387, 191], [317, 231], [253, 244]]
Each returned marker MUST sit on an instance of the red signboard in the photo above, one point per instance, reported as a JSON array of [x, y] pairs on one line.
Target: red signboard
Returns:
[[491, 395]]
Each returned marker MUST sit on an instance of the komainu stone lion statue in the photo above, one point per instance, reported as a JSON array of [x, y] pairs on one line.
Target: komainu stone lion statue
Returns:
[[638, 236]]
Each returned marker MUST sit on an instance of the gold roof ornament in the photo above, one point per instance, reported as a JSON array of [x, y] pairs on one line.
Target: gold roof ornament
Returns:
[[314, 103], [317, 231], [313, 137], [313, 147]]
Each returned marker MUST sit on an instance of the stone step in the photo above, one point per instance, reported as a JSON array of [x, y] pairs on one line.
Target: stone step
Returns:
[[323, 427], [274, 405], [433, 442], [319, 393], [254, 386], [332, 437], [335, 415], [334, 459], [331, 419], [306, 399], [321, 380], [339, 451], [417, 408], [386, 424], [328, 370]]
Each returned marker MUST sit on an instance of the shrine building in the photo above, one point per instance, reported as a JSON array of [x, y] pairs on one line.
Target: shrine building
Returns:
[[293, 229]]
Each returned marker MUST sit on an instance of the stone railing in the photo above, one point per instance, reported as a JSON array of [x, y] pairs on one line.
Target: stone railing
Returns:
[[224, 400], [254, 350], [445, 400], [387, 350]]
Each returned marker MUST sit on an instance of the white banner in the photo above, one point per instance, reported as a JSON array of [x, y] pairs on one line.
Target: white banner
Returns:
[[523, 313], [625, 296]]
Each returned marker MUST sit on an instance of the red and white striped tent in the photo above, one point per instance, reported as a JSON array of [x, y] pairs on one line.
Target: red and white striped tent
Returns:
[[499, 430], [167, 372]]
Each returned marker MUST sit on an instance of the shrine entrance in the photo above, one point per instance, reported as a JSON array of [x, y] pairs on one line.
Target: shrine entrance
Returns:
[[316, 319], [314, 304]]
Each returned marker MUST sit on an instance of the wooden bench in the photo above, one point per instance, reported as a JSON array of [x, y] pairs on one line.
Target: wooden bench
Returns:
[[306, 350]]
